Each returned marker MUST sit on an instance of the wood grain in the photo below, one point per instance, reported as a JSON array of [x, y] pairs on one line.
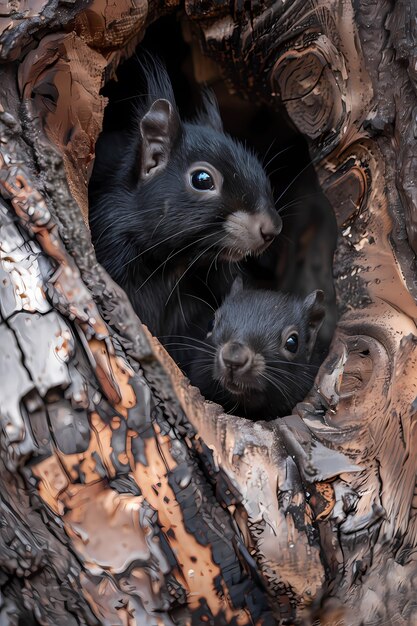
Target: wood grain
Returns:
[[123, 493]]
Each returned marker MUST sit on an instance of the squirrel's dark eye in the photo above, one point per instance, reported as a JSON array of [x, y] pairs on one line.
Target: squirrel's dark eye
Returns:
[[202, 180], [292, 343]]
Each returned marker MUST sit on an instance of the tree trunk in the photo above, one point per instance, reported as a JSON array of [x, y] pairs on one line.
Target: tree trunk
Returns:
[[125, 499]]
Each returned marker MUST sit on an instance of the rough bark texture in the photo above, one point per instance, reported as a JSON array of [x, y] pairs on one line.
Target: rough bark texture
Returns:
[[125, 499]]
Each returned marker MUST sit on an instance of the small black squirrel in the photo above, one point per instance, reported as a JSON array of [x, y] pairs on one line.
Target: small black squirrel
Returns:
[[258, 357], [173, 202]]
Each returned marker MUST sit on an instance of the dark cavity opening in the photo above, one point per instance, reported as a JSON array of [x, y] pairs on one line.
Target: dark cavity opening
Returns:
[[300, 259]]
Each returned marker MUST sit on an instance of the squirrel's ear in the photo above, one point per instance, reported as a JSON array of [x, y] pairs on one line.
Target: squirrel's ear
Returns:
[[159, 129], [315, 312], [237, 286], [210, 112]]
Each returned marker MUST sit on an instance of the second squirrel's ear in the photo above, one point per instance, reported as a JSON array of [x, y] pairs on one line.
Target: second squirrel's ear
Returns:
[[315, 311], [237, 286], [159, 129]]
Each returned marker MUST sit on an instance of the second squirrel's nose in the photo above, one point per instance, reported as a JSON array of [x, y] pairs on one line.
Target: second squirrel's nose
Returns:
[[236, 356]]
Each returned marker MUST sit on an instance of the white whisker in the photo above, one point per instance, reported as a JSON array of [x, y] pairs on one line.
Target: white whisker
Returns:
[[190, 266]]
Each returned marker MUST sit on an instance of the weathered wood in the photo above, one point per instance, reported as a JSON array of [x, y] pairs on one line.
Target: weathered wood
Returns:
[[123, 494], [346, 75]]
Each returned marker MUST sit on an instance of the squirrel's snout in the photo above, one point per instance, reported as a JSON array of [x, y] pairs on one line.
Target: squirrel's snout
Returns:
[[251, 232], [267, 237], [269, 226], [236, 357], [264, 227]]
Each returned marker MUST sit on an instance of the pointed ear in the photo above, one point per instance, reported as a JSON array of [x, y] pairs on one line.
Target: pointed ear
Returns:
[[315, 310], [159, 128], [237, 286], [210, 112]]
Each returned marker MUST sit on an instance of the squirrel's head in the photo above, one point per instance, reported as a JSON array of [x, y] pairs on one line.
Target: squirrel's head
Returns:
[[204, 189], [262, 344]]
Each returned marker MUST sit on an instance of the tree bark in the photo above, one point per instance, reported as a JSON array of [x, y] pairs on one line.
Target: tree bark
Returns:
[[125, 498]]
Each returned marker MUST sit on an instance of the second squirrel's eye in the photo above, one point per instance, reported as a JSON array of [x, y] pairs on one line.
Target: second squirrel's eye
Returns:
[[292, 343], [202, 180]]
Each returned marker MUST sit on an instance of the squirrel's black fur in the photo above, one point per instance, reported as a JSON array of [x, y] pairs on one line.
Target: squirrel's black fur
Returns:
[[252, 328], [166, 243]]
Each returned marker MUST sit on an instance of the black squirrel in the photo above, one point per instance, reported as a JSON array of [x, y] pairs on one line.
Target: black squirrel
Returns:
[[173, 202], [258, 358]]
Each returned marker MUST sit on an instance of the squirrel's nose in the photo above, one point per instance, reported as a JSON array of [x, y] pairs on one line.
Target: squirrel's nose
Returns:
[[270, 226], [235, 356], [267, 237]]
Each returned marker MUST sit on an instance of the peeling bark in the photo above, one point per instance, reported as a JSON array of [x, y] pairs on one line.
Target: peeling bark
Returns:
[[125, 495]]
